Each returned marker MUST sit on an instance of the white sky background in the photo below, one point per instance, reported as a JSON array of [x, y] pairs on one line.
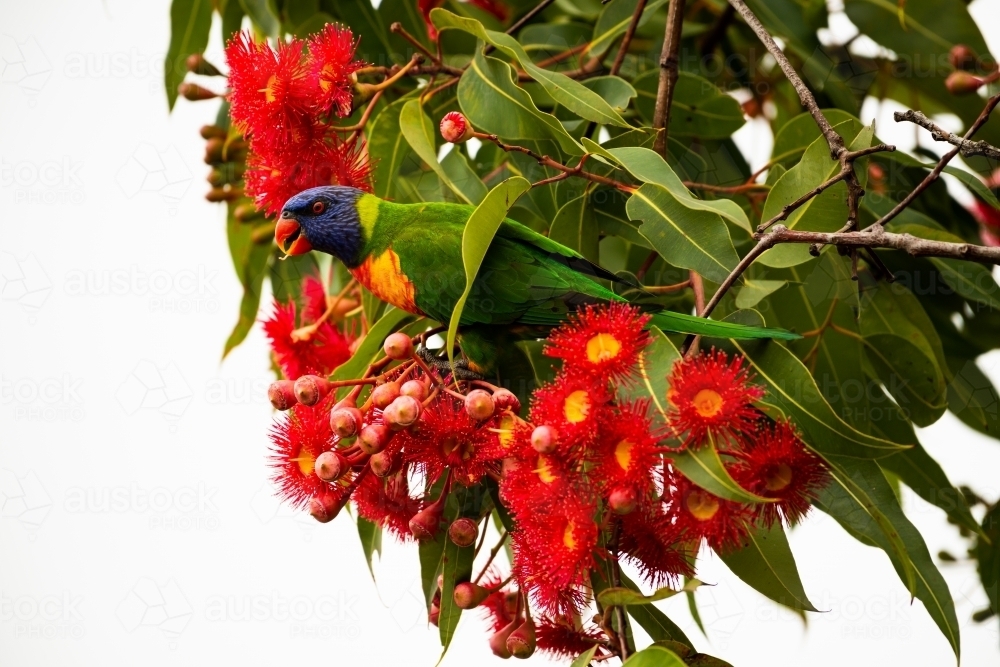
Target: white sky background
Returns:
[[116, 392]]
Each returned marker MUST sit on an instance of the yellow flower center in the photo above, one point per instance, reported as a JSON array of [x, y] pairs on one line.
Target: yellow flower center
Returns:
[[544, 470], [306, 461], [623, 454], [778, 478], [505, 434], [602, 347], [268, 91], [324, 81], [707, 403], [577, 406], [568, 539], [702, 505]]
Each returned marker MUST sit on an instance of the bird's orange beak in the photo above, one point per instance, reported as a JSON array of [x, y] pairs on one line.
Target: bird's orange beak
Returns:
[[290, 238]]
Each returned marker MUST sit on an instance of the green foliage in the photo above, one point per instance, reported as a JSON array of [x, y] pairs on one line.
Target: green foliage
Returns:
[[876, 358]]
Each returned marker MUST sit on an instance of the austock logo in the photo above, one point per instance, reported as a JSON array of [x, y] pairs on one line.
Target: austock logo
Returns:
[[24, 499], [23, 281], [151, 171], [53, 181], [24, 65], [175, 509], [162, 389], [329, 617], [149, 605], [47, 399], [46, 617], [179, 291]]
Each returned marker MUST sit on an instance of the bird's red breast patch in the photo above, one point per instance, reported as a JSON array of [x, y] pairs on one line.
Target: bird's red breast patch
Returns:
[[383, 277]]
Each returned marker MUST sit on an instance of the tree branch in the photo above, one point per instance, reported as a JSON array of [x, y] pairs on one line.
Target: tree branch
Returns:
[[966, 148], [627, 39], [835, 141], [939, 167], [668, 74], [877, 237], [846, 171]]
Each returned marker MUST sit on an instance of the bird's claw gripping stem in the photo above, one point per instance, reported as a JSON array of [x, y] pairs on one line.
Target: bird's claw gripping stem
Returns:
[[460, 370]]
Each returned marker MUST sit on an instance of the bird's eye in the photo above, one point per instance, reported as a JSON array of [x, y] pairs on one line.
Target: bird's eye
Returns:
[[318, 207]]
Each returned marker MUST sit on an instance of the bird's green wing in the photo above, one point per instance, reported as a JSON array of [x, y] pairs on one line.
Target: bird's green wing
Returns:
[[700, 326], [525, 278]]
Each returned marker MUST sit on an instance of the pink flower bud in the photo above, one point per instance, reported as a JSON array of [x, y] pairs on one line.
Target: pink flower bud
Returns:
[[505, 399], [311, 389], [521, 642], [469, 595], [498, 642], [401, 413], [194, 92], [373, 438], [415, 388], [385, 463], [329, 466], [622, 501], [425, 523], [463, 532], [282, 394], [434, 614], [384, 394], [543, 439], [479, 404], [324, 507], [962, 57], [345, 421], [456, 128], [962, 83], [398, 346]]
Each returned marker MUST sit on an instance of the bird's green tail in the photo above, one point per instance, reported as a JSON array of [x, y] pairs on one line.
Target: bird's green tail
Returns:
[[700, 326]]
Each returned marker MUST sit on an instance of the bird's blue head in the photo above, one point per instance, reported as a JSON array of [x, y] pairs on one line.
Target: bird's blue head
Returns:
[[325, 219]]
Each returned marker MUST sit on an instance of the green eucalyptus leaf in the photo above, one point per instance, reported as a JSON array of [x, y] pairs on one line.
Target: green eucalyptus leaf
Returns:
[[614, 21], [649, 167], [792, 391], [495, 104], [798, 133], [263, 19], [973, 398], [753, 291], [190, 22], [767, 565], [583, 660], [654, 656], [617, 91], [863, 502], [480, 228], [575, 226], [421, 134], [698, 109], [387, 149], [371, 541], [971, 280], [622, 596], [463, 177], [692, 239], [988, 557], [571, 94], [703, 466], [825, 212]]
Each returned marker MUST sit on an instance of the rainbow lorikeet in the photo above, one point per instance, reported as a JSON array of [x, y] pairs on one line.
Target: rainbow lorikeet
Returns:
[[410, 255]]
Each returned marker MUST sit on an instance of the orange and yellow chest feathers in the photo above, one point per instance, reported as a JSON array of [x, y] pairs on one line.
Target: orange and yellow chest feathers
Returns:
[[382, 276]]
